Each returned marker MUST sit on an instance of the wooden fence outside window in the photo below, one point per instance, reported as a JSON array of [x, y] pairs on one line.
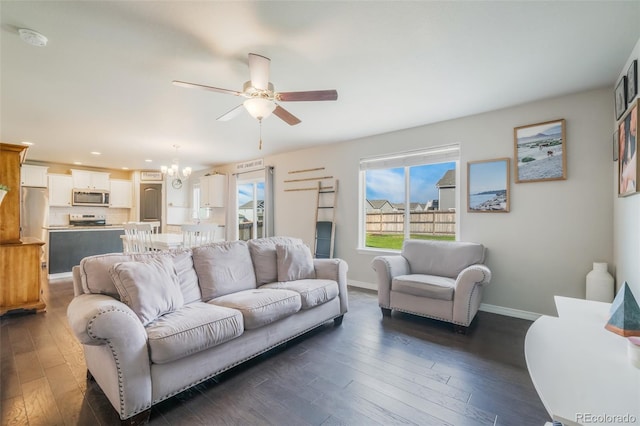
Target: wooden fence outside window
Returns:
[[433, 222]]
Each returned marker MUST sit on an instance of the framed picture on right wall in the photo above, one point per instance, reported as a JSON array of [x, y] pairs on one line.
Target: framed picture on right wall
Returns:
[[628, 175]]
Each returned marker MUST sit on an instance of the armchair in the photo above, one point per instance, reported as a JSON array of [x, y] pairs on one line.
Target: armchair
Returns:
[[443, 280]]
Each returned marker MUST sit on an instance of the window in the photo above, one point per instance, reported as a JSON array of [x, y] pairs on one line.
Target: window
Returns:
[[409, 195]]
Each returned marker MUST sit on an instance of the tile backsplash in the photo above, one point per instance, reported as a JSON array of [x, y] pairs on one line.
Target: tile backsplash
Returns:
[[60, 215]]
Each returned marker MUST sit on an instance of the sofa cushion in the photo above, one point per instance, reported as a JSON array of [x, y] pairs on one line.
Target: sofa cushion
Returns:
[[223, 268], [294, 262], [312, 292], [444, 258], [190, 329], [264, 258], [431, 286], [149, 288], [183, 264], [261, 306]]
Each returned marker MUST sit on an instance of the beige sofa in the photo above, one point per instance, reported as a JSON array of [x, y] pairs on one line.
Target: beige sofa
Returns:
[[443, 280], [155, 324]]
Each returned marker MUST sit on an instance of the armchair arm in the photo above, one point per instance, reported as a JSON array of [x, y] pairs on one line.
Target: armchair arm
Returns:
[[468, 293], [116, 350], [386, 268], [334, 269]]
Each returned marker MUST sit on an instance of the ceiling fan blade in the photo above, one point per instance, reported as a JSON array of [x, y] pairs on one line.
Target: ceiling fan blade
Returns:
[[259, 71], [286, 116], [231, 114], [201, 86], [313, 95]]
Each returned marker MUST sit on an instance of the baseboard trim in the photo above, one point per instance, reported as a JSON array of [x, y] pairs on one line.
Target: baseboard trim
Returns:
[[60, 275], [494, 309], [362, 284], [510, 312]]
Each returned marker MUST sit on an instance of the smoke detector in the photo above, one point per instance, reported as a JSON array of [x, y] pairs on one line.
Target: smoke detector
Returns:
[[34, 38]]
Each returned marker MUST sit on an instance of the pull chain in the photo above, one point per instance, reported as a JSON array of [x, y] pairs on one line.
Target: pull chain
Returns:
[[260, 146]]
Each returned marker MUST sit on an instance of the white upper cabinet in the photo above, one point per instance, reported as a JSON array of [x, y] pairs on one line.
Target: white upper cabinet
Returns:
[[60, 188], [33, 175], [213, 191], [121, 194], [84, 179]]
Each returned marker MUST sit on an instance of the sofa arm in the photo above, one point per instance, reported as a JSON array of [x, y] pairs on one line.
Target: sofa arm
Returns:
[[386, 268], [334, 269], [116, 350], [468, 293]]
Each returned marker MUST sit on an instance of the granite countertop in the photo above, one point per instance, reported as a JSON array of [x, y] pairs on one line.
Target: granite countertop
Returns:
[[84, 228]]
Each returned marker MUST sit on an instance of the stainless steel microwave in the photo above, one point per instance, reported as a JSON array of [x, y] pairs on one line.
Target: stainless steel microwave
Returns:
[[90, 197]]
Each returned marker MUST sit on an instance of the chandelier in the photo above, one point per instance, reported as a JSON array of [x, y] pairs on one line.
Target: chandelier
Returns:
[[174, 170]]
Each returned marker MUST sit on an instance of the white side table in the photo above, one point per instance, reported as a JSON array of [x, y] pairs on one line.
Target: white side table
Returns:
[[580, 370]]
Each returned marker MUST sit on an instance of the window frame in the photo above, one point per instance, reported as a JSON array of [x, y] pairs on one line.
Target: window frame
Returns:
[[407, 159]]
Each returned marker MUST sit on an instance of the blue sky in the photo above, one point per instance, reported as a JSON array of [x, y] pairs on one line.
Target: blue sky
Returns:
[[245, 192], [388, 184], [487, 176]]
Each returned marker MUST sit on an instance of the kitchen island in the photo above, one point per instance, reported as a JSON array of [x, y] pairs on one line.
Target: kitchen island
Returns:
[[68, 245]]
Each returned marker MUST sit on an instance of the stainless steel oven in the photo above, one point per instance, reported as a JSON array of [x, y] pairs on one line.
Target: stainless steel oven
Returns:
[[90, 197]]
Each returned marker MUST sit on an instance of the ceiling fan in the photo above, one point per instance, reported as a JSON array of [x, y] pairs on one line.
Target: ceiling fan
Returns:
[[261, 97]]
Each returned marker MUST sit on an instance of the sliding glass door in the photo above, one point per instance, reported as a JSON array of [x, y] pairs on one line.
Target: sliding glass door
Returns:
[[250, 198]]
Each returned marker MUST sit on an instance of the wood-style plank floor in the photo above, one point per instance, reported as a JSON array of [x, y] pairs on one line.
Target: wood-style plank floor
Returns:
[[371, 370]]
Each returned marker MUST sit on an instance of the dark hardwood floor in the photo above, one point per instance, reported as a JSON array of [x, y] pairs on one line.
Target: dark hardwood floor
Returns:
[[371, 370]]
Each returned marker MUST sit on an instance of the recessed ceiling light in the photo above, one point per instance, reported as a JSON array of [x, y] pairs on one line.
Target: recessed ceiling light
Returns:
[[27, 143], [77, 163], [34, 38], [96, 153], [148, 160], [125, 168]]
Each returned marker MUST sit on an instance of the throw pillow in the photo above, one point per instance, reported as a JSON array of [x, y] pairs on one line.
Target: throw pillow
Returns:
[[149, 288], [263, 256], [294, 262]]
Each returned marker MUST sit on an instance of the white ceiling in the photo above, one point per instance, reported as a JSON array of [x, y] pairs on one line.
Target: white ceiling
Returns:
[[103, 83]]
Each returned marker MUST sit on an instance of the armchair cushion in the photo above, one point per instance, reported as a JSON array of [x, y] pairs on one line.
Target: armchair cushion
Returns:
[[430, 286]]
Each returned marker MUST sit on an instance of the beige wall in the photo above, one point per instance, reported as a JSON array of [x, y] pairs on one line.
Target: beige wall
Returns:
[[627, 221], [543, 247]]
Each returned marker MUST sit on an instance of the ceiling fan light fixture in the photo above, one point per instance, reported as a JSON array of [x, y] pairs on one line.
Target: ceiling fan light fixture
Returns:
[[259, 108]]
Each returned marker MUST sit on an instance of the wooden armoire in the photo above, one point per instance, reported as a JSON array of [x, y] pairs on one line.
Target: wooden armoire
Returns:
[[20, 259]]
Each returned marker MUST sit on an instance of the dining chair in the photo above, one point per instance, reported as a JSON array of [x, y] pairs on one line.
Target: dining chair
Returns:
[[198, 235], [128, 242], [143, 237]]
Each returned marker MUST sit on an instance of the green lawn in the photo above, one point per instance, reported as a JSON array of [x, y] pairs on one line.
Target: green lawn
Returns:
[[394, 241]]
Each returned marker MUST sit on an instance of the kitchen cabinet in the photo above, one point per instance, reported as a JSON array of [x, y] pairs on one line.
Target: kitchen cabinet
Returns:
[[213, 191], [90, 180], [67, 247], [33, 175], [121, 194], [60, 189]]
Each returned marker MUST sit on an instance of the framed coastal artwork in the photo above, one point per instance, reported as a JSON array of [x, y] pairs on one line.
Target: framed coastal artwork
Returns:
[[627, 152], [540, 152], [488, 186], [632, 81], [620, 95]]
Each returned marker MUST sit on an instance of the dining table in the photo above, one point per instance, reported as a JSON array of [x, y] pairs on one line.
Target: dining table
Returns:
[[165, 241]]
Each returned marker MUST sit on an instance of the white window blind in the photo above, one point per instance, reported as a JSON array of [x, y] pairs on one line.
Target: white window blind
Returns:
[[441, 154]]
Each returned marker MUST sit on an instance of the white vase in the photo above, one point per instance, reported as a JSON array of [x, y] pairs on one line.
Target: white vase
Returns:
[[2, 194], [600, 283]]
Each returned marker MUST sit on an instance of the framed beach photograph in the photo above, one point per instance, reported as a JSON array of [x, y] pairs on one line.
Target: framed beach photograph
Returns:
[[488, 186], [620, 95], [632, 81], [628, 175], [540, 152]]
